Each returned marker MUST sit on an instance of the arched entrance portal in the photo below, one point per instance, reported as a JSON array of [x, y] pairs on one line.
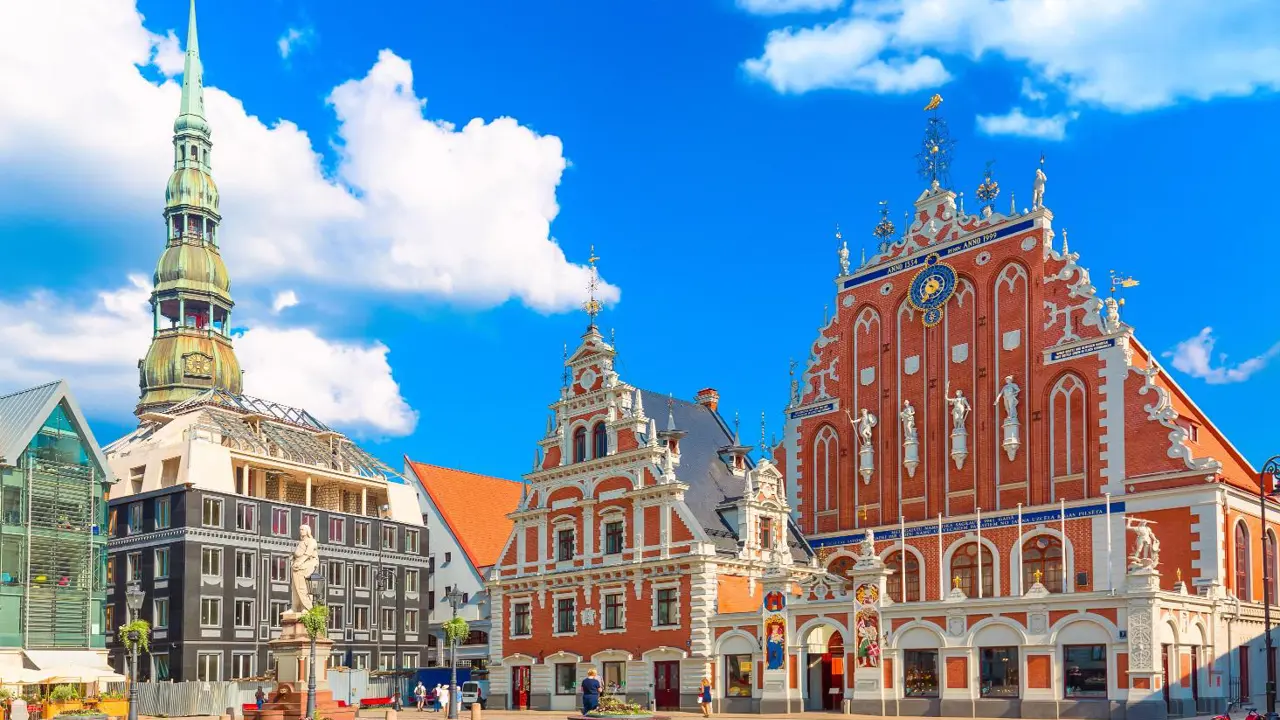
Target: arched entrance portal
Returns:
[[824, 663]]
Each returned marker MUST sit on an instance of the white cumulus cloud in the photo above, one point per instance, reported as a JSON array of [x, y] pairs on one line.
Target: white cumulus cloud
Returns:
[[1194, 356], [294, 38], [1123, 55], [415, 204], [782, 7], [96, 342], [1052, 127], [283, 300]]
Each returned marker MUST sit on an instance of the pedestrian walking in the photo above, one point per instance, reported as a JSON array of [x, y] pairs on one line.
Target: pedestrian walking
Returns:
[[590, 692], [442, 693], [704, 697], [260, 697], [420, 695]]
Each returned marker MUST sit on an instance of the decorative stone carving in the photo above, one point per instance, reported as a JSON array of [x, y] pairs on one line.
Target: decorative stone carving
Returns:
[[865, 556], [1140, 640], [1037, 190], [844, 258], [1038, 622], [910, 442], [589, 616], [956, 625], [306, 559], [1146, 546], [1011, 426], [1162, 411], [1111, 315], [959, 436]]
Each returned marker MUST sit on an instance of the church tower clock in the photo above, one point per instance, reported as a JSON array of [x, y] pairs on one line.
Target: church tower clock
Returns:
[[191, 299]]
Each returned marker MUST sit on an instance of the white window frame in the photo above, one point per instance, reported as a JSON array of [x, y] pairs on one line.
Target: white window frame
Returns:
[[217, 665], [411, 622], [167, 514], [612, 515], [235, 620], [336, 620], [355, 618], [386, 660], [360, 661], [235, 665], [251, 563], [383, 537], [281, 563], [156, 555], [555, 615], [622, 592], [215, 601], [415, 547], [341, 524], [156, 604], [132, 528], [387, 614], [356, 581], [205, 503], [411, 585], [133, 567], [213, 551], [288, 522], [409, 660], [314, 524], [557, 526], [342, 574], [253, 511], [365, 526], [511, 616], [653, 602], [275, 618]]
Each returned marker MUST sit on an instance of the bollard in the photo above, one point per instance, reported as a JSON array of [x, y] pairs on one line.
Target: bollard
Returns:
[[476, 711]]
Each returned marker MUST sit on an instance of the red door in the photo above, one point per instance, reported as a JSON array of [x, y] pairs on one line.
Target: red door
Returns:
[[520, 677], [666, 685], [1243, 652]]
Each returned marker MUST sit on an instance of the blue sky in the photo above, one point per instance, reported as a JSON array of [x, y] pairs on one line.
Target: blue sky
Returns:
[[707, 149]]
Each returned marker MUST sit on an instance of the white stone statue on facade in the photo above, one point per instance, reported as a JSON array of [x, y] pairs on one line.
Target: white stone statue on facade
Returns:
[[306, 559], [1037, 190], [910, 440], [959, 436], [867, 548], [1146, 546], [1009, 395], [908, 418], [1111, 318], [1011, 426], [844, 258], [866, 421], [959, 410]]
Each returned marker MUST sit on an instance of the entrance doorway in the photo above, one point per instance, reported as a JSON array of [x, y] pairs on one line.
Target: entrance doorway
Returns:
[[666, 685], [1164, 674], [521, 676], [824, 669]]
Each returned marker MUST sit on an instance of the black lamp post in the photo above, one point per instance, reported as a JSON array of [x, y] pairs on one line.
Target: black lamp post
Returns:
[[1265, 491], [315, 586], [133, 599], [453, 597]]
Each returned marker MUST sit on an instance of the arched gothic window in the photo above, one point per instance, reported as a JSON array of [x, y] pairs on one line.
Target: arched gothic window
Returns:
[[909, 575], [1043, 554], [826, 469], [1243, 590], [964, 567], [1269, 567], [599, 441], [580, 444]]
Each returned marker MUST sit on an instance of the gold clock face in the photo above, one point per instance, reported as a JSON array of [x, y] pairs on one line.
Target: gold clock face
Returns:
[[197, 365]]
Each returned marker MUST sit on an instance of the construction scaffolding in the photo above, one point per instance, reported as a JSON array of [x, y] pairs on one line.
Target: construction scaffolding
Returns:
[[66, 550]]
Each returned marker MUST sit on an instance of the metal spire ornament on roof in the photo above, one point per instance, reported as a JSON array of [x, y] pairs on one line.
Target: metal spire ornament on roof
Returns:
[[592, 306], [934, 158], [988, 191], [885, 228], [764, 449]]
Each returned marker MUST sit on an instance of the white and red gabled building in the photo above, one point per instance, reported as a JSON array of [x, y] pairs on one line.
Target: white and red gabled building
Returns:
[[978, 555], [645, 520]]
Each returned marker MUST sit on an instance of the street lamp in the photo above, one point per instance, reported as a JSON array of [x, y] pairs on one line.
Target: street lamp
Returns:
[[133, 598], [315, 586], [1265, 477], [454, 598]]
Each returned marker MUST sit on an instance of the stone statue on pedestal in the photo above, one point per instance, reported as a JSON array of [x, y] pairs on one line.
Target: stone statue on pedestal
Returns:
[[306, 559], [1146, 546]]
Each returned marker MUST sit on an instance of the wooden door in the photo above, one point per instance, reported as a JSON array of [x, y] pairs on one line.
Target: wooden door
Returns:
[[666, 685], [1164, 669], [1195, 675], [520, 680], [1243, 652]]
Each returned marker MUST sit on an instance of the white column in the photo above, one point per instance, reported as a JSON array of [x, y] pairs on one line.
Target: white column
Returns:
[[588, 528]]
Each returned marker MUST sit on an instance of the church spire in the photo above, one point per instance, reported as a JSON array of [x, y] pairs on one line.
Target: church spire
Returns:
[[191, 111], [191, 298]]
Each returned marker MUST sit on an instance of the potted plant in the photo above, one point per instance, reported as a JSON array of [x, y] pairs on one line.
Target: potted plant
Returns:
[[63, 699], [113, 704], [612, 707]]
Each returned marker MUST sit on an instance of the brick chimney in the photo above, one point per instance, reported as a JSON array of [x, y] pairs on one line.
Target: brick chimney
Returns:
[[708, 397]]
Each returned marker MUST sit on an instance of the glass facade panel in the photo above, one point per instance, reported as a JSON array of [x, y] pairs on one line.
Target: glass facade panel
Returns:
[[920, 673], [737, 681], [998, 672], [1085, 668]]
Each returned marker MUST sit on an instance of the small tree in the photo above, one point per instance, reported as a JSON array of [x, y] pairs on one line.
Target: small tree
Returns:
[[143, 628], [456, 630], [316, 620]]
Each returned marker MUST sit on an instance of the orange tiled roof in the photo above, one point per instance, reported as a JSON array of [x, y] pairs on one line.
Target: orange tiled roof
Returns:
[[474, 506]]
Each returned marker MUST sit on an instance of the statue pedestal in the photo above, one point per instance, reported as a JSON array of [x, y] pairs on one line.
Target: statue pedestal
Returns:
[[959, 447], [1011, 442], [910, 456], [866, 462], [288, 701]]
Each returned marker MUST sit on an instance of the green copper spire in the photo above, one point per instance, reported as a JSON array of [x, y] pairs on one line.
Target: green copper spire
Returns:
[[191, 298], [191, 111]]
